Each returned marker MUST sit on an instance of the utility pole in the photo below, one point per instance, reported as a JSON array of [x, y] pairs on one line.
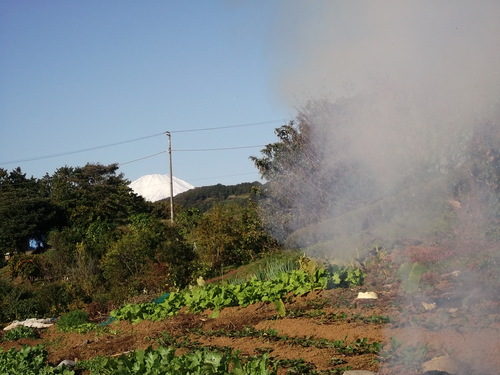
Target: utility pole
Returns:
[[171, 178]]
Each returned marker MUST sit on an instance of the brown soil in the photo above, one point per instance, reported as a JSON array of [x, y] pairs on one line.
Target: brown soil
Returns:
[[464, 324]]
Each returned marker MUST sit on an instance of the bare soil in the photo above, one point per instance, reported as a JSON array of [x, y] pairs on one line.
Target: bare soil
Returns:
[[449, 319]]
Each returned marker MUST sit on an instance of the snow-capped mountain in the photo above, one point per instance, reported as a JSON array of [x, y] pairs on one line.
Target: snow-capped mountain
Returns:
[[155, 187]]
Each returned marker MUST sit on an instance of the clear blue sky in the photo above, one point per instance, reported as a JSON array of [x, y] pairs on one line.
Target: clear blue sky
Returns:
[[83, 74], [80, 75]]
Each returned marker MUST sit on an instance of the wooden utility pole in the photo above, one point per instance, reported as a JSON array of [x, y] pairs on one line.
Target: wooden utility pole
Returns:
[[171, 177]]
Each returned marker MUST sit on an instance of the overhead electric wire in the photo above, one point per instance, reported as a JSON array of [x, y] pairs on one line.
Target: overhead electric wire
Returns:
[[79, 151], [216, 149], [134, 140], [226, 127], [145, 157]]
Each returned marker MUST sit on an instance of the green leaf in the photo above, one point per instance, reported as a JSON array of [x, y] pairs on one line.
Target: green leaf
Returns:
[[280, 307]]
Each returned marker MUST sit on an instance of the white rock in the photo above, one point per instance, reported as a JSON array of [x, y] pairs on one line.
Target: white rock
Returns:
[[32, 322], [367, 295]]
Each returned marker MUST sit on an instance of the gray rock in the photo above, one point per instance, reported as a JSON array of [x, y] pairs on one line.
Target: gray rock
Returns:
[[68, 363], [359, 372]]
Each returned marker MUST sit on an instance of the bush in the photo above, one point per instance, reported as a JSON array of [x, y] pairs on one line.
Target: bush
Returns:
[[72, 320], [25, 266], [22, 308], [59, 297], [21, 332]]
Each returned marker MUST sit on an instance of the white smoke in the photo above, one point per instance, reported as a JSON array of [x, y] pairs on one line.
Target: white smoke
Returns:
[[420, 77], [417, 80]]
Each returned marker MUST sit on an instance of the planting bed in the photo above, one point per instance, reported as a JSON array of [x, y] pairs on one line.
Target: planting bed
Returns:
[[326, 331]]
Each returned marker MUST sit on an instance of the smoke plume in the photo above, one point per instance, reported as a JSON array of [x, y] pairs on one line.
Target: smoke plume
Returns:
[[416, 85], [415, 82]]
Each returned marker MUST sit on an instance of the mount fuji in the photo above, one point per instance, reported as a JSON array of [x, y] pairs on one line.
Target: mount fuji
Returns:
[[155, 187]]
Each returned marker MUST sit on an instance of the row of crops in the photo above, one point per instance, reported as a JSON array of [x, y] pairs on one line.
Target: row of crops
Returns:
[[198, 360]]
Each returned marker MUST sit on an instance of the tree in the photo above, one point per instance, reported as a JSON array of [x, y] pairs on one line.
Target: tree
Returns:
[[230, 234], [308, 174], [94, 192], [26, 213], [148, 244]]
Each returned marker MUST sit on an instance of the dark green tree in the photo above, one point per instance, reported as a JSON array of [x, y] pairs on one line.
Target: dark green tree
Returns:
[[308, 174], [93, 193], [149, 250], [94, 201], [26, 212]]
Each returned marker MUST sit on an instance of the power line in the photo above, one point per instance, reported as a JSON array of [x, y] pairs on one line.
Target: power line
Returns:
[[135, 140], [227, 127], [79, 151], [145, 157], [217, 149]]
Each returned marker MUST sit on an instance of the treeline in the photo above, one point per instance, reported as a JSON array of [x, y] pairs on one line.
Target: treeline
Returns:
[[205, 197], [97, 242], [82, 237]]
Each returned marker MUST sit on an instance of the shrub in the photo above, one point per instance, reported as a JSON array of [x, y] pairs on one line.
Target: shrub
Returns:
[[72, 320], [59, 297], [25, 266], [22, 308], [21, 332]]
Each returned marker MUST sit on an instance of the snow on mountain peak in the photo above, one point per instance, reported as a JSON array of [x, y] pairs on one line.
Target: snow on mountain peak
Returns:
[[155, 187]]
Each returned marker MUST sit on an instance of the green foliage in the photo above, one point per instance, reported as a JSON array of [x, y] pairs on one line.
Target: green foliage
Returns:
[[28, 361], [217, 297], [164, 361], [230, 235], [25, 266], [345, 276], [356, 347], [409, 356], [146, 247], [76, 320], [18, 303], [202, 199], [268, 267], [94, 193], [410, 275], [26, 211], [21, 332], [127, 257], [309, 176], [22, 309], [37, 300]]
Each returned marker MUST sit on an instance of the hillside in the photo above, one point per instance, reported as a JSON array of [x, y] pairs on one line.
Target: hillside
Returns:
[[330, 331], [202, 198]]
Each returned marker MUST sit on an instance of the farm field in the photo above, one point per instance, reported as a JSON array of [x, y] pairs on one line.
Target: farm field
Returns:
[[323, 331]]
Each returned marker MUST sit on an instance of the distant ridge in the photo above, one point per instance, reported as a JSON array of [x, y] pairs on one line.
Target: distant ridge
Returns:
[[155, 187]]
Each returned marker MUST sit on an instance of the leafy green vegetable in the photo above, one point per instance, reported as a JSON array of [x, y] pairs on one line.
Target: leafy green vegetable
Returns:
[[28, 361], [74, 320], [164, 361], [217, 296], [21, 332]]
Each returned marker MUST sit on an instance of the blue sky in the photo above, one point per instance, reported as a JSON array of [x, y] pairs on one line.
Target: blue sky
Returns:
[[79, 75]]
